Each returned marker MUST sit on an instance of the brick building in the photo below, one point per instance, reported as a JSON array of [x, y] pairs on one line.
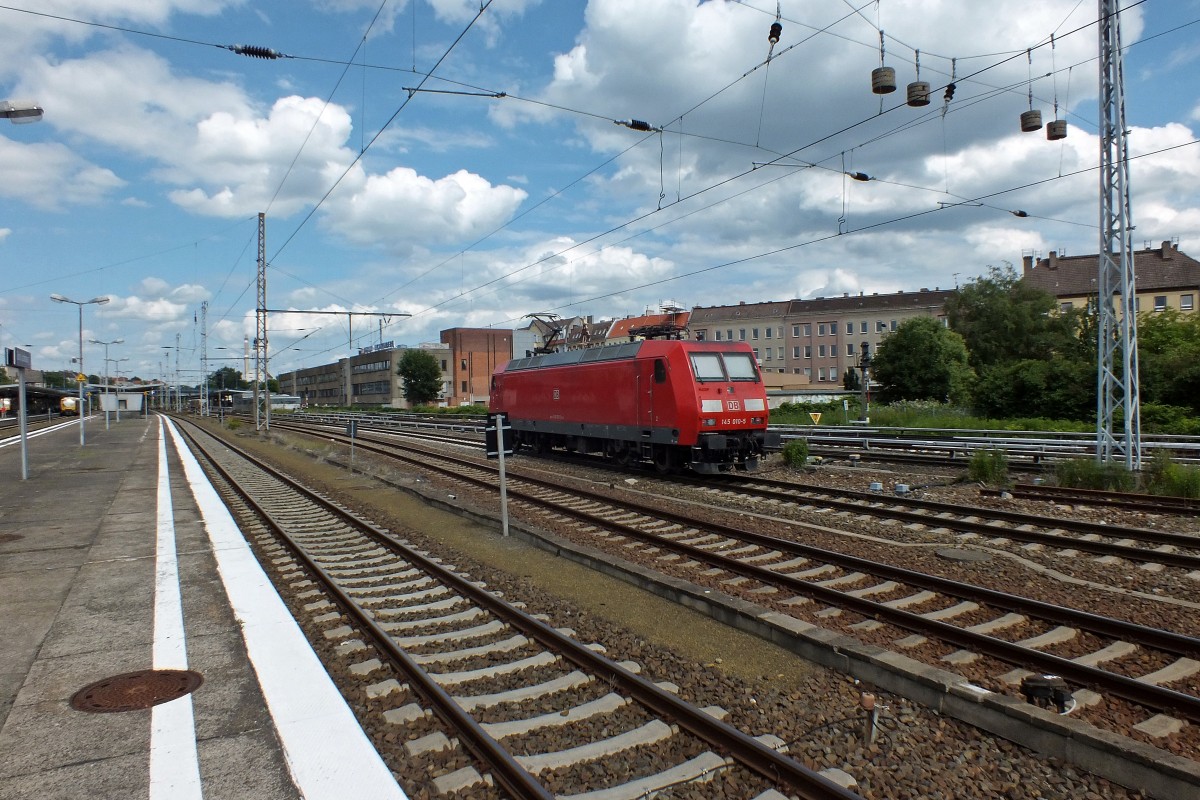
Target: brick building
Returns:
[[477, 353]]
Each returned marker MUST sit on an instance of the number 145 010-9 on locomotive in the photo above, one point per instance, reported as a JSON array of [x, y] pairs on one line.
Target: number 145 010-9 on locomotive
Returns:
[[678, 404]]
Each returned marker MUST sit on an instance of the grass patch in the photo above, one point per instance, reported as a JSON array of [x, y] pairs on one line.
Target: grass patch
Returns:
[[989, 467], [795, 453]]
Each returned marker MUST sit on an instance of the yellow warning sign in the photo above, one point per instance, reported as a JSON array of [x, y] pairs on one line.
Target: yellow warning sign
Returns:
[[816, 417], [81, 378]]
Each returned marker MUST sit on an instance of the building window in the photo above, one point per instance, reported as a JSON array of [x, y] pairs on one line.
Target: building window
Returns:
[[849, 327], [893, 324], [863, 326], [807, 329], [781, 352], [699, 336], [729, 334], [754, 333], [795, 352], [443, 365], [462, 364], [769, 353], [808, 372], [795, 330], [808, 351], [768, 333], [755, 354], [850, 349], [880, 326], [718, 336], [795, 370], [1185, 302], [821, 329], [741, 334], [821, 351], [1067, 306], [464, 387], [1160, 302], [820, 373]]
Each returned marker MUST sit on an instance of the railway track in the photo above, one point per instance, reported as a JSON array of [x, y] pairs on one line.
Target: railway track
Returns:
[[1101, 498], [480, 691], [997, 638], [1135, 545]]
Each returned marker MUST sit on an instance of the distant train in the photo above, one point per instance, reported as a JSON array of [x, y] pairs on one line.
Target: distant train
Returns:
[[678, 404], [68, 406]]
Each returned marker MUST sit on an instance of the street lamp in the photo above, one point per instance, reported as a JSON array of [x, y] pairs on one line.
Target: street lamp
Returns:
[[58, 298], [117, 375], [106, 360], [20, 112]]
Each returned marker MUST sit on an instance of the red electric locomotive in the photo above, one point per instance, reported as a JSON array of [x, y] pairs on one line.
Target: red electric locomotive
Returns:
[[679, 404]]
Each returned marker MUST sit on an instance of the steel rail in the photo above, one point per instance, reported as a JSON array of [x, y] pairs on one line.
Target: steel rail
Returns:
[[779, 489]]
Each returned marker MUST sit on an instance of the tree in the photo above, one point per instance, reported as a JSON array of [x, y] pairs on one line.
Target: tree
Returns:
[[1169, 359], [1002, 319], [923, 360], [422, 377], [227, 378], [1055, 388]]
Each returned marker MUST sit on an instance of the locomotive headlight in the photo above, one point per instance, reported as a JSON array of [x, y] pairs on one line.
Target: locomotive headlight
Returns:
[[756, 420], [708, 422]]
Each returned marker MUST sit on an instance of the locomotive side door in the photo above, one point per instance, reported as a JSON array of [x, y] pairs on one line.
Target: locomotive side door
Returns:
[[647, 375]]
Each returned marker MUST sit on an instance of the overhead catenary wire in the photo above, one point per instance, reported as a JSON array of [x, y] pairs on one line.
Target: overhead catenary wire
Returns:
[[188, 40], [780, 158]]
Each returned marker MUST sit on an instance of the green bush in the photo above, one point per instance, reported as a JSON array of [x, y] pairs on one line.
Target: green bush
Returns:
[[1164, 477], [988, 466], [233, 423], [1087, 473], [795, 453]]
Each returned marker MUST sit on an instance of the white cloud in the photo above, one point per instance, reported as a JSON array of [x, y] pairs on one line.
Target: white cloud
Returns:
[[402, 208]]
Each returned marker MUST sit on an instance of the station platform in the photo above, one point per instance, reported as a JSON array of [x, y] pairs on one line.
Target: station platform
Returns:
[[124, 575]]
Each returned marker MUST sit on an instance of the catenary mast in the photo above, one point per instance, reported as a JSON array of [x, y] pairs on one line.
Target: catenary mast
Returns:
[[1117, 370]]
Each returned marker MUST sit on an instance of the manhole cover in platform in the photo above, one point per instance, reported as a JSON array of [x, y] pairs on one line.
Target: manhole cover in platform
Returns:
[[136, 690], [5, 538], [961, 554]]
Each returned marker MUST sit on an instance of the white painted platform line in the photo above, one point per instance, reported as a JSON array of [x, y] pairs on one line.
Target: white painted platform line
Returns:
[[174, 762], [329, 755]]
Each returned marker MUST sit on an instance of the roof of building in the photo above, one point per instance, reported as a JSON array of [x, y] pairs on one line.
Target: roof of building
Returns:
[[925, 298], [704, 315], [1156, 268]]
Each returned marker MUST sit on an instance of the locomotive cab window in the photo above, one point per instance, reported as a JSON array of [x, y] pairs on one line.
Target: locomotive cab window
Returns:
[[660, 371], [741, 367], [707, 367]]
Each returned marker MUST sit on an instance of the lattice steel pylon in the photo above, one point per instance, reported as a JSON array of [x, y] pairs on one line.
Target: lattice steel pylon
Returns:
[[204, 411], [262, 399], [1117, 369]]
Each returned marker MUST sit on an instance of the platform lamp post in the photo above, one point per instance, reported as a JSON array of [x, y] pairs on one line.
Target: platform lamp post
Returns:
[[106, 360], [117, 376], [99, 301]]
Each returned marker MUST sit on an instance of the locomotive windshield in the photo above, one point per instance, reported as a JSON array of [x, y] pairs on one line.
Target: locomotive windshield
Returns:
[[707, 367], [741, 367], [724, 367]]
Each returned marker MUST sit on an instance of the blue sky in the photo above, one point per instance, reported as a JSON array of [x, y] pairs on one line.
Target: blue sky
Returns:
[[455, 206]]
